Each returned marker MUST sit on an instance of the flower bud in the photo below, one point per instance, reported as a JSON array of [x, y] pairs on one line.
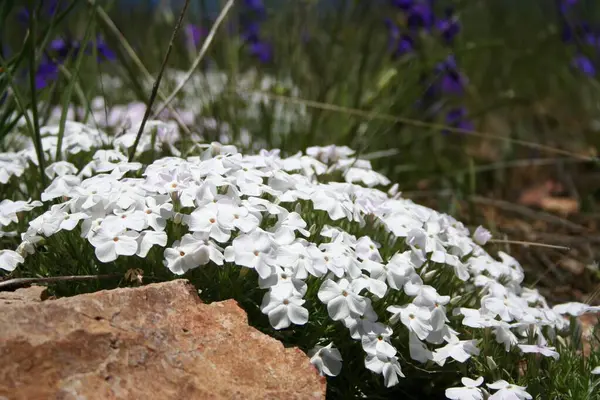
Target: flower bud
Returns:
[[178, 218], [490, 363]]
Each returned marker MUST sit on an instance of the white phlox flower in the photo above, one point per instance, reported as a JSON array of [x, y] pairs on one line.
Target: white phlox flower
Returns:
[[284, 308], [389, 367], [185, 254], [9, 260], [459, 350], [112, 241], [507, 391], [377, 341], [469, 391], [342, 298], [416, 319], [255, 251], [327, 359]]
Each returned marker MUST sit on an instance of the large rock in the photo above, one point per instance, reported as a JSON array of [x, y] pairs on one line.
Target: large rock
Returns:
[[155, 342]]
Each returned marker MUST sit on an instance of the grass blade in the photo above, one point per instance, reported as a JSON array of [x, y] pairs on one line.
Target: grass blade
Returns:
[[157, 83], [198, 60], [69, 93]]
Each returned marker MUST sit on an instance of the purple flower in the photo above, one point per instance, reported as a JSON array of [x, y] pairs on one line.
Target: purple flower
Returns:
[[251, 32], [584, 64], [404, 46], [104, 52], [262, 50], [456, 119], [420, 16], [194, 34], [451, 80], [403, 4], [255, 5], [45, 74], [393, 32], [49, 8], [448, 27], [61, 48]]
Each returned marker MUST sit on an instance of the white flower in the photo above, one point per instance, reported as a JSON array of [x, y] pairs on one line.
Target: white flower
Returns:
[[336, 206], [296, 255], [9, 210], [377, 341], [236, 217], [481, 235], [596, 371], [507, 391], [327, 359], [60, 168], [147, 239], [459, 350], [396, 272], [416, 319], [9, 260], [329, 154], [342, 298], [284, 308], [112, 241], [418, 350], [157, 213], [389, 367], [359, 326], [254, 251], [366, 249], [575, 309], [509, 307], [287, 225], [470, 391], [543, 350], [207, 219], [476, 319], [186, 254], [504, 335]]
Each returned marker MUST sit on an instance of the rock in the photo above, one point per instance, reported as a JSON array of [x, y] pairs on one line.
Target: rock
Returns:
[[25, 295], [156, 342]]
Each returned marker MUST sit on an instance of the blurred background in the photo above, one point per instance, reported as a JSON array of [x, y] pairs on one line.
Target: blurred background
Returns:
[[487, 110]]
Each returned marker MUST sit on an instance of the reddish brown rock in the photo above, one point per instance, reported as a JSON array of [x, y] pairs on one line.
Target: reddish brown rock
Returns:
[[30, 294], [155, 342]]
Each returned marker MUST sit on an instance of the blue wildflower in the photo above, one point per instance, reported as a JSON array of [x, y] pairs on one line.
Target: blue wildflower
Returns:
[[403, 4], [46, 73], [251, 32], [393, 32], [451, 81], [456, 118], [194, 34], [104, 51], [448, 27], [262, 50], [49, 8], [584, 64], [256, 6], [420, 15]]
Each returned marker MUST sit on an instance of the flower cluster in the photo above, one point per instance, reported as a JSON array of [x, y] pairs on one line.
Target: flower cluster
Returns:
[[419, 283], [257, 47], [200, 93], [446, 79], [60, 50], [582, 36]]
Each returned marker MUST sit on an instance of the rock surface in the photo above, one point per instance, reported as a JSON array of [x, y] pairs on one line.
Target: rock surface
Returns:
[[25, 295], [155, 342]]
